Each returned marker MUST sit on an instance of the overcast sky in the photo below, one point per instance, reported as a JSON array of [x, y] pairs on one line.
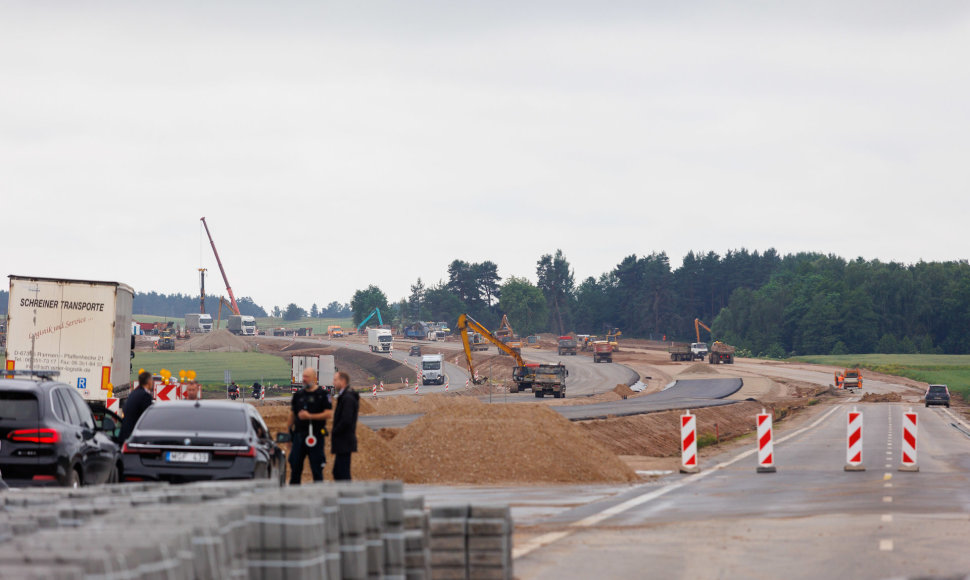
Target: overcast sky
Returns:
[[331, 147]]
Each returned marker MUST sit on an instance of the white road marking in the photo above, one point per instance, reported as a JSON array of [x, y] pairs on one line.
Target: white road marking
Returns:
[[887, 518], [885, 545], [887, 499], [887, 485], [546, 539], [889, 465]]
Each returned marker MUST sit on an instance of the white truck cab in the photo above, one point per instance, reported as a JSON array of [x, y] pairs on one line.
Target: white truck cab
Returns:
[[432, 369], [699, 350], [380, 340]]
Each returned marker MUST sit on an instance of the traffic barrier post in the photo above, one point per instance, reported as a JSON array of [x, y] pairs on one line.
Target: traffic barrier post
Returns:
[[909, 442], [853, 451], [688, 443], [766, 448]]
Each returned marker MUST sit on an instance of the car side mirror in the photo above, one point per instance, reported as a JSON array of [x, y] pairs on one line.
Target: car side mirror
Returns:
[[284, 437]]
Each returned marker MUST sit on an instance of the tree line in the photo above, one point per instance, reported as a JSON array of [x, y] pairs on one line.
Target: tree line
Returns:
[[771, 305]]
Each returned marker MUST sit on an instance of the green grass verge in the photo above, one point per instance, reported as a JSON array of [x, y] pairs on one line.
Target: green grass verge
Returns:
[[246, 367], [949, 369]]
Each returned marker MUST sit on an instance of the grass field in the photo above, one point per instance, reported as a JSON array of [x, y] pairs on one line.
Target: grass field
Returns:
[[319, 325], [952, 370], [246, 367]]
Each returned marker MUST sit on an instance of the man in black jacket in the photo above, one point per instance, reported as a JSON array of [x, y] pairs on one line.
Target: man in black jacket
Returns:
[[344, 437], [139, 400]]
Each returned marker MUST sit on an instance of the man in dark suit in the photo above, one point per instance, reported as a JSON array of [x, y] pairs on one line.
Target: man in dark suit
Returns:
[[139, 399], [343, 440]]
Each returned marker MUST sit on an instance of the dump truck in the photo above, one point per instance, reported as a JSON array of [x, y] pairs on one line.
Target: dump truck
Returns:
[[602, 351], [542, 379], [721, 353], [80, 328], [680, 351], [699, 350], [567, 346], [476, 342], [198, 322], [849, 379], [166, 340]]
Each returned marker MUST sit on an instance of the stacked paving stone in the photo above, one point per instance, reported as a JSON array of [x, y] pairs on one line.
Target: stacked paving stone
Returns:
[[471, 542], [240, 530]]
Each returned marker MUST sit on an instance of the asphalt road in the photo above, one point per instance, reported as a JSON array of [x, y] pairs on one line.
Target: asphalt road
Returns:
[[809, 520], [687, 394]]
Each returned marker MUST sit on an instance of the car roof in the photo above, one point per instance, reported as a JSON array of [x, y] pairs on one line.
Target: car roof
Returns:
[[206, 404], [939, 385], [28, 384]]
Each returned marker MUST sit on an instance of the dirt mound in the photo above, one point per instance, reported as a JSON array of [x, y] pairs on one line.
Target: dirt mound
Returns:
[[886, 398], [505, 443], [623, 390], [698, 369], [301, 345], [216, 341], [366, 368], [413, 404], [658, 434]]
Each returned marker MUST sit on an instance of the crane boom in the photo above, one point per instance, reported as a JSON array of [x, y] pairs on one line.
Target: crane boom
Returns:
[[380, 321], [232, 297], [464, 323], [697, 328]]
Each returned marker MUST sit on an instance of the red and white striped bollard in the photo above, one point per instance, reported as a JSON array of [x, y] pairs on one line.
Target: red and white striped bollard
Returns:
[[688, 443], [910, 421], [766, 448], [853, 450]]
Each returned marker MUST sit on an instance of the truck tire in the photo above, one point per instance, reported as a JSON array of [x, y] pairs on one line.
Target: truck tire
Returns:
[[514, 388]]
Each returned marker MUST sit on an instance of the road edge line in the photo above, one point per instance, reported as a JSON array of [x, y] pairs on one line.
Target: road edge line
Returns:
[[550, 537]]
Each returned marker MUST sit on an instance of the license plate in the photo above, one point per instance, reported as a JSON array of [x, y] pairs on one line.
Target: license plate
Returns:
[[186, 457]]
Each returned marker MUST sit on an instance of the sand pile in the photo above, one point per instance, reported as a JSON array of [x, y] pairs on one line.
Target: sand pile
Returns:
[[217, 341], [505, 443], [623, 390], [698, 369], [412, 404], [887, 398], [658, 434]]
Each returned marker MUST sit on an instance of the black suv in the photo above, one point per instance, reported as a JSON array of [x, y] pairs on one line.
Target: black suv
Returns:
[[49, 436], [937, 395]]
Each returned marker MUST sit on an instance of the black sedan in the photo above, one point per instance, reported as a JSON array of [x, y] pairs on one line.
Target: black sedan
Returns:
[[48, 436], [937, 395], [183, 441]]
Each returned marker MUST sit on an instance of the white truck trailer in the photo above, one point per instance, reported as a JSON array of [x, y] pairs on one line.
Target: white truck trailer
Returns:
[[80, 328], [432, 369], [380, 340], [323, 364], [198, 323], [242, 325]]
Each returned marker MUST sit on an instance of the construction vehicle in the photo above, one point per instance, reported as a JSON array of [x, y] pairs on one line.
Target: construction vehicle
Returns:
[[602, 351], [721, 353], [198, 323], [232, 297], [533, 341], [508, 336], [681, 351], [166, 343], [241, 324], [477, 343], [363, 323], [849, 379], [542, 379], [613, 337], [583, 341], [334, 331], [699, 350], [222, 301], [419, 331], [567, 345]]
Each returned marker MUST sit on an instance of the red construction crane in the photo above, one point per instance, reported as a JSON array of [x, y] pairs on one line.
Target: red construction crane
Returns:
[[232, 298]]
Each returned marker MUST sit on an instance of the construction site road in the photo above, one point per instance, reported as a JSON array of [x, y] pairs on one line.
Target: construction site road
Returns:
[[684, 394], [809, 520]]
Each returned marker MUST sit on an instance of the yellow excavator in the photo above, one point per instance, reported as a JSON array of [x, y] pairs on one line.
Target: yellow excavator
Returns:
[[507, 336], [541, 378], [612, 337]]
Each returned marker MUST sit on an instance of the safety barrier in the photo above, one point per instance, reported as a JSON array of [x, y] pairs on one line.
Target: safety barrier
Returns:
[[853, 449], [688, 443], [252, 529], [908, 462], [766, 449]]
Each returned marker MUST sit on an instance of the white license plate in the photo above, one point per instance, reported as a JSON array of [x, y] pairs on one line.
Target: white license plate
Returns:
[[186, 457]]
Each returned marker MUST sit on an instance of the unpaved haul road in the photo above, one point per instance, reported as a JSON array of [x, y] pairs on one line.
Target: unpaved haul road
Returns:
[[809, 520]]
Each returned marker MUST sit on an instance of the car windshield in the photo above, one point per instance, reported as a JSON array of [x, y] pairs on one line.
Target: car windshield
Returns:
[[18, 406], [161, 418], [431, 365]]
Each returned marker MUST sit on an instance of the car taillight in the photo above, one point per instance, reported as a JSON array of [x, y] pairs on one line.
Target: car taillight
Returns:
[[251, 452], [44, 478], [34, 436], [138, 450]]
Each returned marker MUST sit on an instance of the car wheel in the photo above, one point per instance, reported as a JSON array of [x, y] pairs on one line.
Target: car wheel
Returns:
[[115, 475], [948, 405], [74, 479]]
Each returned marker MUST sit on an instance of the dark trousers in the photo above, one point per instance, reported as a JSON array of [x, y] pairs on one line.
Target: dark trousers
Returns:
[[341, 467], [301, 451]]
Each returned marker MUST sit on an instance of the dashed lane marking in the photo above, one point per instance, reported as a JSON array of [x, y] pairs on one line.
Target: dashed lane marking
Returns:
[[885, 545], [887, 499], [887, 518]]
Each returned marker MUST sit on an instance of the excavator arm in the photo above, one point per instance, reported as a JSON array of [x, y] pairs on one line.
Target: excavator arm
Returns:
[[697, 328], [465, 323]]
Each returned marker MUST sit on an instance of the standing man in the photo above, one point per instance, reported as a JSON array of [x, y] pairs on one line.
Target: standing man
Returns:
[[139, 400], [190, 391], [309, 411], [344, 426]]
